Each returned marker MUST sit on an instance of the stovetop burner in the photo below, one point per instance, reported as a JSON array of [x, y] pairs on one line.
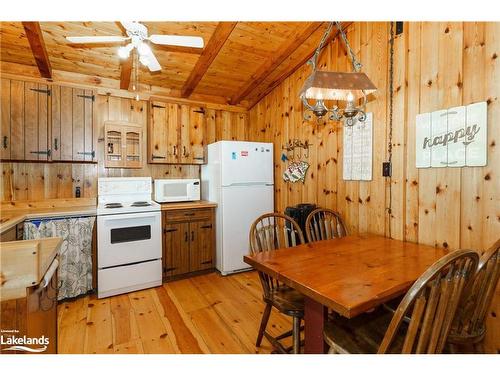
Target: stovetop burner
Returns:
[[113, 205], [141, 204]]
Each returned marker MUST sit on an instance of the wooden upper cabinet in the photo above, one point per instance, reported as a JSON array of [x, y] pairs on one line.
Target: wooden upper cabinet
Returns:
[[73, 124], [192, 134], [175, 134], [47, 122], [5, 110], [157, 133], [25, 120]]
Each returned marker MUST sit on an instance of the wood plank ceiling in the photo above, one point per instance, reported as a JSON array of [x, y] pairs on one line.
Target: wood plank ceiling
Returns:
[[241, 61]]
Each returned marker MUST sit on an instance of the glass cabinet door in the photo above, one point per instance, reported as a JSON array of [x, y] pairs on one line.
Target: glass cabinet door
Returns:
[[133, 148], [123, 145]]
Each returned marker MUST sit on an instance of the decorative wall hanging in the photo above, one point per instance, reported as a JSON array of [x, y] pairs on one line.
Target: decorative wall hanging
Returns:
[[358, 146], [340, 86], [455, 137], [297, 167]]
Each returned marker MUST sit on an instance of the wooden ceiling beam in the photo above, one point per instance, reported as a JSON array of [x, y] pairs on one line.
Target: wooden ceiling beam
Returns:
[[266, 90], [37, 44], [126, 73], [210, 52], [296, 40]]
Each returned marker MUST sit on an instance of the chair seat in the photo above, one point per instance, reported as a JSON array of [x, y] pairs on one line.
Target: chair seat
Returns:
[[362, 334], [287, 300]]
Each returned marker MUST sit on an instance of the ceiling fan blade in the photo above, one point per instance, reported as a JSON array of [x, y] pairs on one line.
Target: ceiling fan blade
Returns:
[[153, 63], [96, 39], [129, 25], [177, 40]]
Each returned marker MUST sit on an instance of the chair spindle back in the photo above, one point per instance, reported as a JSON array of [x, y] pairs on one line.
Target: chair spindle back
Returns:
[[271, 232], [431, 304], [324, 224]]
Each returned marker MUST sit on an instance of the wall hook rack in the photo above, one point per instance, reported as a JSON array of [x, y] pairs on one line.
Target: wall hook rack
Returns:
[[297, 143]]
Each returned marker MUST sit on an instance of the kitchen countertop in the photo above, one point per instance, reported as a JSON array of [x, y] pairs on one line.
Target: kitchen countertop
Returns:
[[187, 205], [24, 264], [10, 217]]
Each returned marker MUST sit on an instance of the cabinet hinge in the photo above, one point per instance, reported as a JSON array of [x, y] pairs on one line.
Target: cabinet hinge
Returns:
[[201, 110], [169, 230], [87, 97], [90, 153], [41, 152], [42, 91], [156, 106]]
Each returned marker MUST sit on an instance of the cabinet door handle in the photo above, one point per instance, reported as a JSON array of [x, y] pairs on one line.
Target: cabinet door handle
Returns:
[[183, 150], [185, 236], [5, 141], [206, 226], [56, 144], [175, 150], [206, 262], [192, 235], [169, 230], [189, 214]]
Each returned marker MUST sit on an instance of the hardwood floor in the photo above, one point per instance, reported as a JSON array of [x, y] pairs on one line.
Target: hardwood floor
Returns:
[[204, 314]]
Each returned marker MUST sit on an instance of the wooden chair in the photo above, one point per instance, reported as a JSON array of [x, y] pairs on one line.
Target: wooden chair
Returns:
[[428, 310], [469, 329], [270, 232], [323, 224]]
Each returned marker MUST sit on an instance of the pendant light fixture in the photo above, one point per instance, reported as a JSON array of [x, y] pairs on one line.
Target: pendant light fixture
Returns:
[[349, 87]]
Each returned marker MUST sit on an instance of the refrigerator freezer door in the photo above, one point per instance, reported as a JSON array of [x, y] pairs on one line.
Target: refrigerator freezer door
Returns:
[[246, 163], [241, 206]]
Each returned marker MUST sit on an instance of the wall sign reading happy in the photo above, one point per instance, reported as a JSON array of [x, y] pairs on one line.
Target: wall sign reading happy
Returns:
[[455, 137]]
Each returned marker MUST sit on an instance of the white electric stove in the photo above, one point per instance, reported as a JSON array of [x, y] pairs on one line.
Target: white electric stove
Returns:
[[129, 249]]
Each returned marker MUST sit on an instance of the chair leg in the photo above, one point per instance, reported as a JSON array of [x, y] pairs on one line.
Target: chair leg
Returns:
[[263, 324], [296, 335]]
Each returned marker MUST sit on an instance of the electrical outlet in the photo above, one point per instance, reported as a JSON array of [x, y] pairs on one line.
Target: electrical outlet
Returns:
[[399, 28], [386, 169], [77, 192]]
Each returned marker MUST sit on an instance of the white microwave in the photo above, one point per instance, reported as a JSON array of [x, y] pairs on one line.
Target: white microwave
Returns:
[[177, 190]]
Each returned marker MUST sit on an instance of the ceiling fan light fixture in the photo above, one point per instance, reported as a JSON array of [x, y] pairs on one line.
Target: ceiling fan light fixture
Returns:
[[124, 51]]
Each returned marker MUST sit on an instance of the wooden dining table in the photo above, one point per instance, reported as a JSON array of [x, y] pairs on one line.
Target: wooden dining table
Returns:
[[350, 275]]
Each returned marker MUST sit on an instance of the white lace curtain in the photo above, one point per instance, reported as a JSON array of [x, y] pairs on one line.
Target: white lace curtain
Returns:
[[75, 254]]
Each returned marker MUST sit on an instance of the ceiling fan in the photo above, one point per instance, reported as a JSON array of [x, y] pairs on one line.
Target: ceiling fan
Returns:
[[137, 33]]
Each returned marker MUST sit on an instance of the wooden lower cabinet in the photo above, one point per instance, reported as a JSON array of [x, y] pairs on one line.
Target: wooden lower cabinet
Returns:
[[34, 316], [188, 242]]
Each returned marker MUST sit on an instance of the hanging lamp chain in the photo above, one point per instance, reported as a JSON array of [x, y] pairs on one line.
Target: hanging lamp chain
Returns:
[[313, 61], [356, 65]]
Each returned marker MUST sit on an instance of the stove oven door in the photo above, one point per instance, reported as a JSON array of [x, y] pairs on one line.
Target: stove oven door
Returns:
[[128, 238]]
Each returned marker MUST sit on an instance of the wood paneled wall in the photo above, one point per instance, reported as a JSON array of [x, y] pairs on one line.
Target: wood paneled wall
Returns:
[[436, 66], [35, 181]]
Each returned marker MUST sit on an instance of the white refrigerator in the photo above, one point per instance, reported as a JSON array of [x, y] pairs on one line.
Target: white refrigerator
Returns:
[[238, 176]]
